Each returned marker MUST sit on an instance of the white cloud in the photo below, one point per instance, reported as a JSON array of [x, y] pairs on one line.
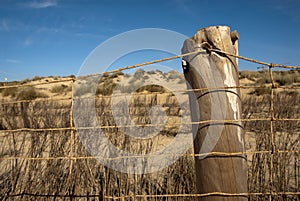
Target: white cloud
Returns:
[[92, 35], [183, 4], [12, 61], [4, 25], [42, 4], [27, 42], [289, 8]]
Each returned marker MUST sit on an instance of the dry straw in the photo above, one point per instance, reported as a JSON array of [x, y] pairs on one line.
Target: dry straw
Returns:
[[125, 194]]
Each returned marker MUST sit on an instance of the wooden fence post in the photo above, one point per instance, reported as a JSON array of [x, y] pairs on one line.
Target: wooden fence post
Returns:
[[219, 172]]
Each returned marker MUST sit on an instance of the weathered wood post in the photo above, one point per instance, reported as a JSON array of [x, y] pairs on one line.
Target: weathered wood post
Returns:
[[220, 174]]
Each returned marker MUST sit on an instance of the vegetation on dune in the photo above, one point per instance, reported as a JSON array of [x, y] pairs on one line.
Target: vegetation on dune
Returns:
[[152, 88], [263, 77], [26, 93], [53, 176], [30, 93], [12, 92], [89, 177], [60, 89], [108, 82]]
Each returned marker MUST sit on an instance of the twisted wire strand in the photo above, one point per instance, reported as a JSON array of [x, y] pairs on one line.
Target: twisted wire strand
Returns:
[[72, 157], [135, 94], [212, 122]]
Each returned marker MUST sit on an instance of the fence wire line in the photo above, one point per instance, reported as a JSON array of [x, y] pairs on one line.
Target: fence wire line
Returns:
[[217, 154], [271, 119], [201, 195], [109, 72], [211, 122], [135, 94], [270, 65], [161, 195], [71, 79]]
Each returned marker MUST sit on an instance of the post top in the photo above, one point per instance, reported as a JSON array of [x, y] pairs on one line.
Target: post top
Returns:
[[221, 27]]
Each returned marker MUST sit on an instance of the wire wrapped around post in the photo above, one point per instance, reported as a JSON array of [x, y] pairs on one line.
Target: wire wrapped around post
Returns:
[[216, 70]]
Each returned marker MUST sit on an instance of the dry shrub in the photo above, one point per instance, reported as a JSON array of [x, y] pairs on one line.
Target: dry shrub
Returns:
[[88, 179], [82, 89], [30, 93], [251, 75], [152, 88], [12, 92], [139, 73], [106, 89], [60, 89], [36, 78], [261, 91], [174, 75], [281, 77], [284, 166]]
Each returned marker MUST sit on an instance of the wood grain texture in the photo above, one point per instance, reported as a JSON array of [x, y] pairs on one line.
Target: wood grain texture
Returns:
[[213, 71]]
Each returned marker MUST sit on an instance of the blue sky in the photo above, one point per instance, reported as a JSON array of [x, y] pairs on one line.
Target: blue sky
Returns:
[[53, 37]]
